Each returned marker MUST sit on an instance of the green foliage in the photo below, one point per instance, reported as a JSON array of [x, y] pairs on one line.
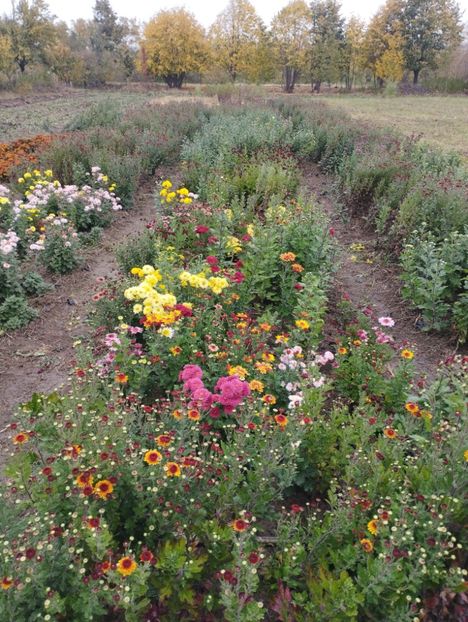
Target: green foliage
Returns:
[[15, 313], [434, 275], [102, 114], [60, 253], [34, 285]]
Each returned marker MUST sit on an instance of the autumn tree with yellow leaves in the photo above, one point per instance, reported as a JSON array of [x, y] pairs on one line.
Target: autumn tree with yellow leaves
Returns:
[[291, 39], [173, 45], [383, 44], [238, 39]]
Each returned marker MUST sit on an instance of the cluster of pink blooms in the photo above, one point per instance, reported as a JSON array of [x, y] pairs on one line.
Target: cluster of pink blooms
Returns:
[[230, 391], [382, 337], [8, 242], [112, 342]]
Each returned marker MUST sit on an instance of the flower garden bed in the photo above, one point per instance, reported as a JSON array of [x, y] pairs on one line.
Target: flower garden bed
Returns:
[[212, 460]]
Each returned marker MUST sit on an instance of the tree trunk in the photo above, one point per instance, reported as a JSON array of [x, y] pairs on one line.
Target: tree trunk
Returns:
[[316, 86], [22, 64], [289, 79], [416, 76]]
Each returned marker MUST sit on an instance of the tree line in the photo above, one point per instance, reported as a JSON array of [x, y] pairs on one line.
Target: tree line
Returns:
[[305, 41]]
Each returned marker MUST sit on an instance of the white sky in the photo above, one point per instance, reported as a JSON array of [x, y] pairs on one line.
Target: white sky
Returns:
[[204, 10]]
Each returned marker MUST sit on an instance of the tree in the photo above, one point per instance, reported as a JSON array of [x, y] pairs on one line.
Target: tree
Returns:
[[430, 28], [327, 42], [291, 38], [383, 43], [7, 57], [353, 52], [173, 44], [108, 31], [236, 36], [31, 30]]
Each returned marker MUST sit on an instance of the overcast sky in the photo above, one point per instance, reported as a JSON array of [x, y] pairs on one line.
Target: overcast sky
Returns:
[[204, 10]]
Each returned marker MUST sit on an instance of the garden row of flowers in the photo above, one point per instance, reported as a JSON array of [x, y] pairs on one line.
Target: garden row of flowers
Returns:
[[43, 222], [49, 214], [215, 459]]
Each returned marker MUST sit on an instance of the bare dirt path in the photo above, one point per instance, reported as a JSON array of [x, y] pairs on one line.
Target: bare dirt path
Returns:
[[367, 279], [37, 358]]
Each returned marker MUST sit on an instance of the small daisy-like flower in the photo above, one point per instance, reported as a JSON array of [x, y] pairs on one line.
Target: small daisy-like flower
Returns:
[[372, 527], [121, 378], [152, 456], [297, 268], [92, 522], [193, 414], [164, 440], [126, 566], [342, 350], [302, 324], [413, 408], [390, 433], [21, 438], [239, 525], [103, 488], [407, 354], [281, 420], [367, 545], [269, 399], [172, 469], [6, 583], [84, 479]]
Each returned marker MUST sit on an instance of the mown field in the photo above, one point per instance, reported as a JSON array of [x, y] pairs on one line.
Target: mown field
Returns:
[[235, 440], [25, 117], [440, 121]]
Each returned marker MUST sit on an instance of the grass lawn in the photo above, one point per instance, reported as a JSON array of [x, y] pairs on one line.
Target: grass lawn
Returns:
[[51, 113], [440, 121]]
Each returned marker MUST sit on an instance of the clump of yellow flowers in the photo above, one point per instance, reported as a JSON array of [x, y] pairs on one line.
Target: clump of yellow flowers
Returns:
[[157, 306], [168, 195], [200, 281]]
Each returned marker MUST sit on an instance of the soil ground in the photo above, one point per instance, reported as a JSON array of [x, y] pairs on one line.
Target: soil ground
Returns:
[[369, 280]]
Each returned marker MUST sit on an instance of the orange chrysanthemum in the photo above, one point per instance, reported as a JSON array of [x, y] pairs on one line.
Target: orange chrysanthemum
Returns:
[[6, 583], [367, 545], [413, 408], [239, 525], [126, 566], [287, 256], [84, 479], [21, 438], [152, 457], [121, 378], [172, 469], [256, 385], [281, 420], [164, 440], [103, 488], [193, 414], [372, 527], [390, 433]]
